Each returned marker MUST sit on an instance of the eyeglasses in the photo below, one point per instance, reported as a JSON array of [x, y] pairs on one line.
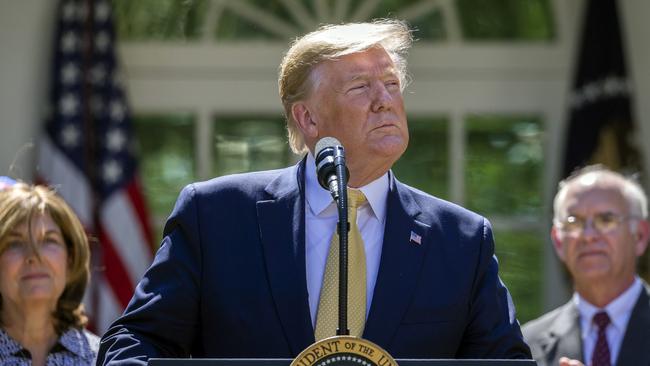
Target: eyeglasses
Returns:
[[604, 223]]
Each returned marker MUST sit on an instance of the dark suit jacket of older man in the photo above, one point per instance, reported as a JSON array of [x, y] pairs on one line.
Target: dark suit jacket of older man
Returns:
[[229, 279], [557, 334]]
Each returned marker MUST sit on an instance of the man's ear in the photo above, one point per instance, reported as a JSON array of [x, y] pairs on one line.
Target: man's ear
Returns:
[[304, 119], [642, 236], [557, 243]]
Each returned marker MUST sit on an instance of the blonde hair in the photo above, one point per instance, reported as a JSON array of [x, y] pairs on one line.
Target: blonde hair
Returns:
[[20, 204], [330, 42]]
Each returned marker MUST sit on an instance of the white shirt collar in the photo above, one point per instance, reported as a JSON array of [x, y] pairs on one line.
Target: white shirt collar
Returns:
[[619, 310], [320, 202]]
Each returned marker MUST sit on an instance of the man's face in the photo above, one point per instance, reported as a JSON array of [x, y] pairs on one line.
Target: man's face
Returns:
[[597, 238], [357, 99]]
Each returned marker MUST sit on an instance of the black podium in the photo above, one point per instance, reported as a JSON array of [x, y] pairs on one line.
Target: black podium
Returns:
[[287, 361]]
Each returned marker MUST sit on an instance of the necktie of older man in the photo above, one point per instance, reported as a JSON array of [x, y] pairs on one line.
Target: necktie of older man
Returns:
[[601, 355], [327, 317]]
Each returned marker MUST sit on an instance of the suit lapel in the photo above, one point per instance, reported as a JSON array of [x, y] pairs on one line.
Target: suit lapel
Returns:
[[282, 233], [635, 349], [401, 260], [563, 338]]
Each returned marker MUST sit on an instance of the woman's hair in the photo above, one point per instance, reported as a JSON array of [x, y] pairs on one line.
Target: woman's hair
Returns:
[[330, 42], [19, 204]]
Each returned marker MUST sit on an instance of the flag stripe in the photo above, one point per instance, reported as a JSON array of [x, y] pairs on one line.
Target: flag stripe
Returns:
[[107, 307], [123, 228], [134, 191], [117, 276], [69, 182]]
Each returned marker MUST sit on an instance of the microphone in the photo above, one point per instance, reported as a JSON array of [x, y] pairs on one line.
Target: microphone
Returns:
[[330, 155], [333, 176]]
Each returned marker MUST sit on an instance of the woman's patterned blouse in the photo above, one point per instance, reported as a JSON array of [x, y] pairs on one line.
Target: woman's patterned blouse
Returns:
[[75, 347]]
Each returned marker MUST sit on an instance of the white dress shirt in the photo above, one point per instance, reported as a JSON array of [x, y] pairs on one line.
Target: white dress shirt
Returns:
[[619, 312], [321, 216]]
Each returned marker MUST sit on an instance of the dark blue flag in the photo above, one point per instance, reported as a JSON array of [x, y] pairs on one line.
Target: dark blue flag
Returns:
[[601, 127]]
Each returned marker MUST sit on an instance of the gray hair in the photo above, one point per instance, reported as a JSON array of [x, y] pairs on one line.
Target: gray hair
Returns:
[[632, 191], [330, 42]]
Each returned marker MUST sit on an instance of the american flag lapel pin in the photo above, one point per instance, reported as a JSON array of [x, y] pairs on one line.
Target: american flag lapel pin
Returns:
[[415, 238]]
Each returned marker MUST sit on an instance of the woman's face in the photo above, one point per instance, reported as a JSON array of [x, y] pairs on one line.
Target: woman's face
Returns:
[[27, 279]]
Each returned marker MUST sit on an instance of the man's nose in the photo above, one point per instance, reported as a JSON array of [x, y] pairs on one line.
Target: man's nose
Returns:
[[589, 230], [381, 97]]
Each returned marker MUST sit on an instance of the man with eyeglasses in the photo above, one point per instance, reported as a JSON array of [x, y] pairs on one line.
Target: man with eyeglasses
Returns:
[[599, 230]]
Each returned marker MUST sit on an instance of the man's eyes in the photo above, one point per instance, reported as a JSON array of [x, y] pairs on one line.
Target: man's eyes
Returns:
[[358, 87], [607, 218]]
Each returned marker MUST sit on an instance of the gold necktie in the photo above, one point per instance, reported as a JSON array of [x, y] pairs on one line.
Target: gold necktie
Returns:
[[327, 317]]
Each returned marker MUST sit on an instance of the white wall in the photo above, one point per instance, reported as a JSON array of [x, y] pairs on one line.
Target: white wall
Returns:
[[26, 28]]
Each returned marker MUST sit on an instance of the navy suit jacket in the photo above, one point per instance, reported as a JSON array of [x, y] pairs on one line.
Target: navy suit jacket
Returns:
[[229, 279]]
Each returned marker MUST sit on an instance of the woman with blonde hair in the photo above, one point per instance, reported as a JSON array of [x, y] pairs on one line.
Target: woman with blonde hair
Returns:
[[44, 270]]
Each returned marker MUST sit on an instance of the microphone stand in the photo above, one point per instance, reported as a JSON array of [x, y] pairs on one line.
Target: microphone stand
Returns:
[[343, 229]]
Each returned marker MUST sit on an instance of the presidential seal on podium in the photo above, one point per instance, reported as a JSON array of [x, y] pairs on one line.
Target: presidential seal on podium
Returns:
[[344, 351]]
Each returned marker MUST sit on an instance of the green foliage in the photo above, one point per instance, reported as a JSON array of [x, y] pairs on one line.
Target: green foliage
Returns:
[[231, 26], [159, 19], [520, 268], [249, 144], [530, 20], [428, 25], [167, 160], [504, 165], [425, 163], [479, 19]]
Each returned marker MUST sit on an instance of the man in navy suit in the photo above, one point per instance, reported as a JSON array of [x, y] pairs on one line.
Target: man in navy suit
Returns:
[[240, 268]]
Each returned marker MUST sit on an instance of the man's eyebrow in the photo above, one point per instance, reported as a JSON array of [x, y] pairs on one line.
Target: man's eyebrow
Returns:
[[359, 76], [390, 72]]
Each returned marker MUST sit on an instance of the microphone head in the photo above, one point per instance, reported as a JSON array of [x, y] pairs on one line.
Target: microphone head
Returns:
[[325, 150], [324, 143]]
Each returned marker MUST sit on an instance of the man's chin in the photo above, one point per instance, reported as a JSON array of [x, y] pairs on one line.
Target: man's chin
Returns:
[[593, 271], [389, 147]]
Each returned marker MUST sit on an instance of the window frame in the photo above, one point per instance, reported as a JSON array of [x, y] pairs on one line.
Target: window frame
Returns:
[[453, 78]]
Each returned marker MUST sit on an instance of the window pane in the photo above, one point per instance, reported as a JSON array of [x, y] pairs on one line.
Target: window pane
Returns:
[[506, 19], [239, 23], [263, 19], [429, 26], [520, 268], [248, 144], [504, 166], [159, 19], [166, 161], [426, 20], [425, 163], [241, 19]]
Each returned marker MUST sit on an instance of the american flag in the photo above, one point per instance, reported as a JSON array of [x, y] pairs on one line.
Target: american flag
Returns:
[[86, 152], [415, 238]]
